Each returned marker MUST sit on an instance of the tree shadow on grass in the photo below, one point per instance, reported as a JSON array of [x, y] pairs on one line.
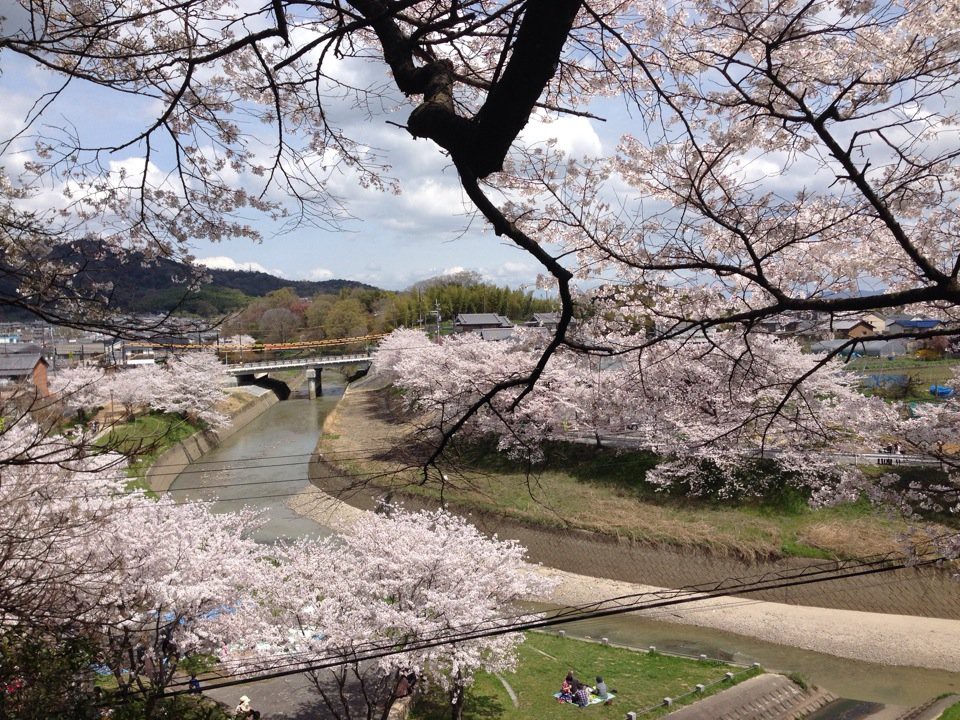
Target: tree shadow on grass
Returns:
[[436, 706]]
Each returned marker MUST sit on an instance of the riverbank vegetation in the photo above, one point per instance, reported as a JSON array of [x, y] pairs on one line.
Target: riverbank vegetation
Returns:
[[600, 490], [144, 438], [641, 681]]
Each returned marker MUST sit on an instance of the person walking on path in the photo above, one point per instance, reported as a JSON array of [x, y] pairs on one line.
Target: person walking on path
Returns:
[[244, 711]]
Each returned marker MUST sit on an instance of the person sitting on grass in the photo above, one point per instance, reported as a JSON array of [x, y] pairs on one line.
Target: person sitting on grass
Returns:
[[582, 695], [566, 692], [601, 690]]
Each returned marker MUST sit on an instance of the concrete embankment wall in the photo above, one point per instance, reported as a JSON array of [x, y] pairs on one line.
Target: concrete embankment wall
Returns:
[[175, 459]]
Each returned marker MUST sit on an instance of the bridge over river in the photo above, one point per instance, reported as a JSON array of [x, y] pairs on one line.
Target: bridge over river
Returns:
[[247, 372]]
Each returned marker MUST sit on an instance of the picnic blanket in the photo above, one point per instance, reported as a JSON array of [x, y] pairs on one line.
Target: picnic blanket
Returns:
[[594, 699]]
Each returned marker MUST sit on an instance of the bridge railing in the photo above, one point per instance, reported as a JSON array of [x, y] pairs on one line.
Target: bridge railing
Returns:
[[298, 362]]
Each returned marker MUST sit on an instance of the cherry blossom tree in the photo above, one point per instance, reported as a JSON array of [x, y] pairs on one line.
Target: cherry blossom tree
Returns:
[[142, 583], [186, 585], [780, 158], [189, 384], [77, 387], [397, 581], [52, 510], [708, 415]]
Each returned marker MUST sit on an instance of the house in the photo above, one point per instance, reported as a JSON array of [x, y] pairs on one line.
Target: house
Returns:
[[495, 334], [17, 348], [788, 325], [544, 320], [911, 325], [474, 322], [25, 368], [78, 352], [852, 328], [878, 323], [866, 348]]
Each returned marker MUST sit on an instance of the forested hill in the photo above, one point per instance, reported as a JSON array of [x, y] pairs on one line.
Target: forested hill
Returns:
[[163, 285], [258, 284]]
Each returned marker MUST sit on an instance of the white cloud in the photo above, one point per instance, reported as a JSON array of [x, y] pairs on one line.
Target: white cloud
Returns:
[[222, 262], [574, 135], [319, 273]]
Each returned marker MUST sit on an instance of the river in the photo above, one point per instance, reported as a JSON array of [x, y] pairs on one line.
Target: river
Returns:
[[266, 462]]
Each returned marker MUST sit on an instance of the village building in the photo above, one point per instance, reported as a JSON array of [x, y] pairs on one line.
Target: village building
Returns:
[[849, 328], [23, 369], [544, 320], [474, 322]]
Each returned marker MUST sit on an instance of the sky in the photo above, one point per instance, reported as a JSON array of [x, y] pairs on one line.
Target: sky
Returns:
[[392, 240]]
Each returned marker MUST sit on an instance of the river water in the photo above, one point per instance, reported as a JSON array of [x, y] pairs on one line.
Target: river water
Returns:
[[265, 463]]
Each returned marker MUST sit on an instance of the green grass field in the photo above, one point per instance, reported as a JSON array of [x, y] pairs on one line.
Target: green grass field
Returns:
[[951, 713], [642, 680], [145, 438]]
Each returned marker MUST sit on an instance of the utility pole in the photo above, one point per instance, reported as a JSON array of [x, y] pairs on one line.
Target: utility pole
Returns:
[[436, 311]]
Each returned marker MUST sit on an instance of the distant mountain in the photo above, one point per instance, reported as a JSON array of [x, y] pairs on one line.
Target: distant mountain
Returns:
[[258, 284], [134, 284]]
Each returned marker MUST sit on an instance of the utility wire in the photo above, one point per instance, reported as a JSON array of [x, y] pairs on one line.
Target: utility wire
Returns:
[[727, 586], [731, 585], [566, 615]]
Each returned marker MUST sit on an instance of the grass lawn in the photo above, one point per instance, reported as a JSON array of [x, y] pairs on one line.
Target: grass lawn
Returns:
[[951, 713], [642, 681], [606, 492], [146, 437]]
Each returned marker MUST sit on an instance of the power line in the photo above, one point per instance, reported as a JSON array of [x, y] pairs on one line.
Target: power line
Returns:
[[731, 585], [728, 586], [625, 604]]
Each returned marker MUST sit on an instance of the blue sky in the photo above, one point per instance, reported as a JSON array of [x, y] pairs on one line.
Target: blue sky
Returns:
[[393, 241]]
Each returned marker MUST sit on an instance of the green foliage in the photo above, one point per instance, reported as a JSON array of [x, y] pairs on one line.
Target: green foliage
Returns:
[[346, 318], [187, 707], [454, 298], [51, 674], [208, 301], [362, 310], [144, 438], [791, 547], [641, 681], [197, 664], [798, 680], [951, 713]]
